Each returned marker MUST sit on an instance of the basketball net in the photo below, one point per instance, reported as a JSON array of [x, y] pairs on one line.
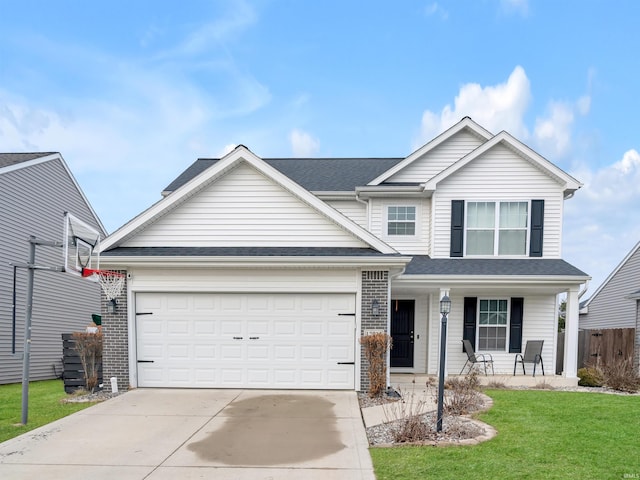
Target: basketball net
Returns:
[[111, 282]]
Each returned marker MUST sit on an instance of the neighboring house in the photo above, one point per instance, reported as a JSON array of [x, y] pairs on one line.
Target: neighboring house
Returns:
[[35, 191], [616, 303], [264, 273]]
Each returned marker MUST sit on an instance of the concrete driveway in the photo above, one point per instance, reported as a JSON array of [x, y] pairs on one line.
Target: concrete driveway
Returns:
[[160, 434]]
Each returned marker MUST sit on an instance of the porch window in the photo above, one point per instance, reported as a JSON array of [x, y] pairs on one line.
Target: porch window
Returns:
[[492, 325], [401, 220], [497, 228]]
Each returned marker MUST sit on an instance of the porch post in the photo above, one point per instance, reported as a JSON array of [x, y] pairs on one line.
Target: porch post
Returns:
[[443, 292], [571, 334]]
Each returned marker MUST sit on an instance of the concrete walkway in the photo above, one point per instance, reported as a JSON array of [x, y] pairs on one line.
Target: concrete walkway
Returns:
[[160, 434]]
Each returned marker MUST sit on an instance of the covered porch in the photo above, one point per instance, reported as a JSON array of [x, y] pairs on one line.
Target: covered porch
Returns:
[[415, 320]]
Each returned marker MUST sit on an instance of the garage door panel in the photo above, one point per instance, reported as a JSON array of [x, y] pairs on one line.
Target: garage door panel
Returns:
[[246, 340]]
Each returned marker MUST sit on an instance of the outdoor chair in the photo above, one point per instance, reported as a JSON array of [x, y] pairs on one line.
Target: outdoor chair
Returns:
[[473, 358], [532, 354]]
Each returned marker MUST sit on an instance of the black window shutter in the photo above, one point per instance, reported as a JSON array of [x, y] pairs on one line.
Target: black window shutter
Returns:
[[515, 325], [457, 228], [469, 331], [537, 228]]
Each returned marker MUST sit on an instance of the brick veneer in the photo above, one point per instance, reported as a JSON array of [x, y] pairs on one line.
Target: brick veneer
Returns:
[[115, 356], [375, 285]]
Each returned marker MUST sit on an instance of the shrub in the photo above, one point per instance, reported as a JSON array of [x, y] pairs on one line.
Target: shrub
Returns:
[[376, 346], [89, 348], [620, 375], [590, 377], [406, 419], [464, 394]]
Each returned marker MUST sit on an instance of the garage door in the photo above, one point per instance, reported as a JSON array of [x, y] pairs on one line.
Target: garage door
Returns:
[[246, 340]]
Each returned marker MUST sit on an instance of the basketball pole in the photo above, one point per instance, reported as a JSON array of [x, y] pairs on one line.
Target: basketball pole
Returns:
[[26, 355]]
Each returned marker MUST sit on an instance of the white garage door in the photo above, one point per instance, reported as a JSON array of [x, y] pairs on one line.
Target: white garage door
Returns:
[[246, 340]]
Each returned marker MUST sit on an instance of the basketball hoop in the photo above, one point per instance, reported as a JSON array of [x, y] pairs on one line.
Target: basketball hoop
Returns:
[[111, 282]]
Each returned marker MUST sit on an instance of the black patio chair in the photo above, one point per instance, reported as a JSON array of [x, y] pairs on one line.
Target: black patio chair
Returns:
[[532, 354], [473, 358]]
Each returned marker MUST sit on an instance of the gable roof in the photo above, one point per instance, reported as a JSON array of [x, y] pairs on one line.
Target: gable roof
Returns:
[[219, 169], [19, 160], [10, 162], [465, 124], [613, 274], [310, 173], [503, 138]]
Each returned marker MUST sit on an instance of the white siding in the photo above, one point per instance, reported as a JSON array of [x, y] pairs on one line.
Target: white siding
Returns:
[[352, 209], [609, 308], [499, 174], [539, 323], [418, 245], [243, 280], [244, 208], [436, 160]]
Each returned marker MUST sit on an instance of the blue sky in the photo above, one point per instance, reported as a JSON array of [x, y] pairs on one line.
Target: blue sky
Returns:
[[131, 93]]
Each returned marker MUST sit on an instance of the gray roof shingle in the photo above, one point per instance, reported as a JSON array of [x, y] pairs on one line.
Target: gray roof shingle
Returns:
[[424, 265], [8, 159], [242, 252], [314, 174]]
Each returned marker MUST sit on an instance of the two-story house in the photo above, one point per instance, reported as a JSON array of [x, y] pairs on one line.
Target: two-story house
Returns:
[[264, 273]]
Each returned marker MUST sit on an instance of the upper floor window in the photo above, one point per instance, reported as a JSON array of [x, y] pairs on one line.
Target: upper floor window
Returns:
[[497, 228], [401, 220]]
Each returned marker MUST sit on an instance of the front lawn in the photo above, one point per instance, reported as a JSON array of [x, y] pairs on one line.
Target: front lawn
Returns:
[[541, 435], [45, 406]]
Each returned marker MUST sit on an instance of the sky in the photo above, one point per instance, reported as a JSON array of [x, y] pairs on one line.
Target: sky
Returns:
[[131, 93]]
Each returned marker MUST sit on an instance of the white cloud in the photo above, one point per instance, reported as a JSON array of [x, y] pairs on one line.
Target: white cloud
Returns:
[[303, 144], [602, 221], [500, 107], [553, 133], [436, 9], [520, 7]]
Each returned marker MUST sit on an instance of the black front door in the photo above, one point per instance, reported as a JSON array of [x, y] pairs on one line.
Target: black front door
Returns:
[[402, 328]]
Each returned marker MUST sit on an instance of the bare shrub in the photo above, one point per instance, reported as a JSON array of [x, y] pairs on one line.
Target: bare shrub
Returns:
[[463, 394], [543, 385], [376, 346], [89, 348], [405, 418], [496, 385], [621, 375]]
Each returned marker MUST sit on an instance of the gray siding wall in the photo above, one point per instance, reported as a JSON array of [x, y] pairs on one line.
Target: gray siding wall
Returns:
[[609, 308], [33, 201]]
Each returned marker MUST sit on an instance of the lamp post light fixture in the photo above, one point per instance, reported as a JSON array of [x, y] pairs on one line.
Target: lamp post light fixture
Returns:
[[445, 308], [112, 306], [375, 307]]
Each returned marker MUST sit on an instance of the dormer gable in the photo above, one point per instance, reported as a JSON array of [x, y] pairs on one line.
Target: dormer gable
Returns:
[[436, 155]]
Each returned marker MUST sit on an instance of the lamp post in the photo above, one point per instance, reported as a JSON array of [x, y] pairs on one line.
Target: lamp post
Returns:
[[445, 308]]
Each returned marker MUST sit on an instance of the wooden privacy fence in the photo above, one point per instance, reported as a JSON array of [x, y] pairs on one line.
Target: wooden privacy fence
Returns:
[[604, 347], [600, 347], [73, 374]]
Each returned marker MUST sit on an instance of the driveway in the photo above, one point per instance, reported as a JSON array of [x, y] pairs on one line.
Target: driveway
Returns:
[[160, 434]]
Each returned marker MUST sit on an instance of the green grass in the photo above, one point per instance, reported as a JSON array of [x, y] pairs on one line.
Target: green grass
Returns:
[[541, 435], [45, 406]]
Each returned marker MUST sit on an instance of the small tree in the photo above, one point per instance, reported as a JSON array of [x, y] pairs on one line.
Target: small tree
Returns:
[[89, 348], [562, 315], [376, 346]]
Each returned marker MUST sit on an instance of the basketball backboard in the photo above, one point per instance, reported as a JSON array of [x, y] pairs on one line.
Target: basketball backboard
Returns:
[[80, 245]]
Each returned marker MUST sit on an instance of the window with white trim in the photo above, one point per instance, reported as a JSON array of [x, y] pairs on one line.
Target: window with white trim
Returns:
[[401, 220], [497, 228], [493, 323]]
